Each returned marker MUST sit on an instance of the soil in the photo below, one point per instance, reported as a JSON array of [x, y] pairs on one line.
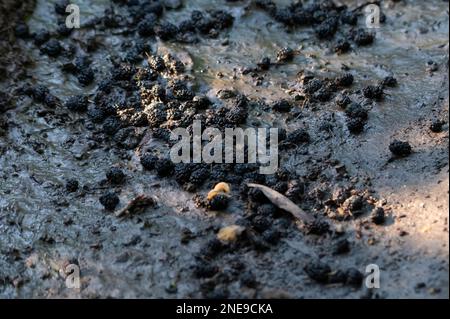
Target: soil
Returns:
[[85, 120]]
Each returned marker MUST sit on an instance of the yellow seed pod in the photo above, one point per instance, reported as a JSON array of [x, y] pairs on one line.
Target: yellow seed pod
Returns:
[[211, 194], [222, 187]]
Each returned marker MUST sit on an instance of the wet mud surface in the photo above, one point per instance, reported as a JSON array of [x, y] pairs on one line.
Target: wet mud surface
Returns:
[[363, 119]]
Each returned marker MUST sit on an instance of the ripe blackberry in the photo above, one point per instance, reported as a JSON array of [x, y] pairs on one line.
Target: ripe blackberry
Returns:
[[342, 100], [318, 271], [362, 37], [156, 63], [281, 106], [148, 161], [85, 76], [218, 202], [111, 125], [52, 48], [77, 103], [199, 176], [373, 92], [377, 216], [344, 80], [355, 110], [285, 55], [156, 117], [166, 31], [115, 176], [400, 148], [109, 200], [164, 167], [72, 185]]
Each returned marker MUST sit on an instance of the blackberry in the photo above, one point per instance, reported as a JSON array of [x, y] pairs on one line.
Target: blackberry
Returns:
[[41, 37], [389, 81], [222, 19], [354, 277], [39, 93], [164, 167], [148, 161], [146, 27], [51, 101], [261, 223], [248, 279], [115, 176], [285, 55], [436, 126], [342, 246], [181, 91], [218, 202], [281, 106], [156, 63], [298, 136], [199, 176], [342, 100], [322, 95], [111, 125], [317, 227], [312, 86], [373, 92], [355, 125], [77, 103], [377, 216], [52, 48], [342, 46], [400, 148], [156, 117], [236, 115], [344, 80], [166, 31], [85, 77], [72, 185], [355, 110], [201, 102], [109, 200], [272, 236], [182, 172], [327, 28], [96, 114], [264, 64], [362, 37], [318, 271], [123, 72]]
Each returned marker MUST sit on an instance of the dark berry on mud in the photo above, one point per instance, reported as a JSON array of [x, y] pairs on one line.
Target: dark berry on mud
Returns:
[[146, 27], [109, 200], [355, 110], [182, 172], [354, 277], [204, 269], [285, 55], [400, 148], [97, 115], [148, 161], [295, 190], [342, 100], [60, 6], [72, 185], [115, 176], [41, 37], [85, 77], [272, 236], [218, 202], [362, 37], [298, 136], [166, 31], [322, 95], [318, 271], [353, 204], [181, 91], [123, 72], [256, 195], [436, 126], [342, 46], [389, 81], [156, 117], [111, 125], [248, 279], [199, 176], [63, 30], [373, 92], [52, 48], [212, 248], [317, 227], [312, 86], [21, 31], [355, 125], [344, 80], [51, 101], [349, 17], [260, 223], [222, 19], [342, 246], [337, 277], [39, 93], [164, 167], [236, 115], [327, 28], [264, 64], [201, 102], [281, 106], [377, 216], [77, 103]]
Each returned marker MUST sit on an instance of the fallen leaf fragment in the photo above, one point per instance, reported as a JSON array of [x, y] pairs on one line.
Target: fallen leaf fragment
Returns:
[[136, 205], [283, 203]]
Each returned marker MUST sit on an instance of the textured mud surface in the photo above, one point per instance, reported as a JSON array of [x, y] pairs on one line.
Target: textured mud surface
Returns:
[[83, 119]]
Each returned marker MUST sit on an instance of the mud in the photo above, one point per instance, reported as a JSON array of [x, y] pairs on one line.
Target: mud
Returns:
[[364, 151]]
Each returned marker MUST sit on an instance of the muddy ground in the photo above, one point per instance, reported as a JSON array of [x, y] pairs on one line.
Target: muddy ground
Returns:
[[335, 163]]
